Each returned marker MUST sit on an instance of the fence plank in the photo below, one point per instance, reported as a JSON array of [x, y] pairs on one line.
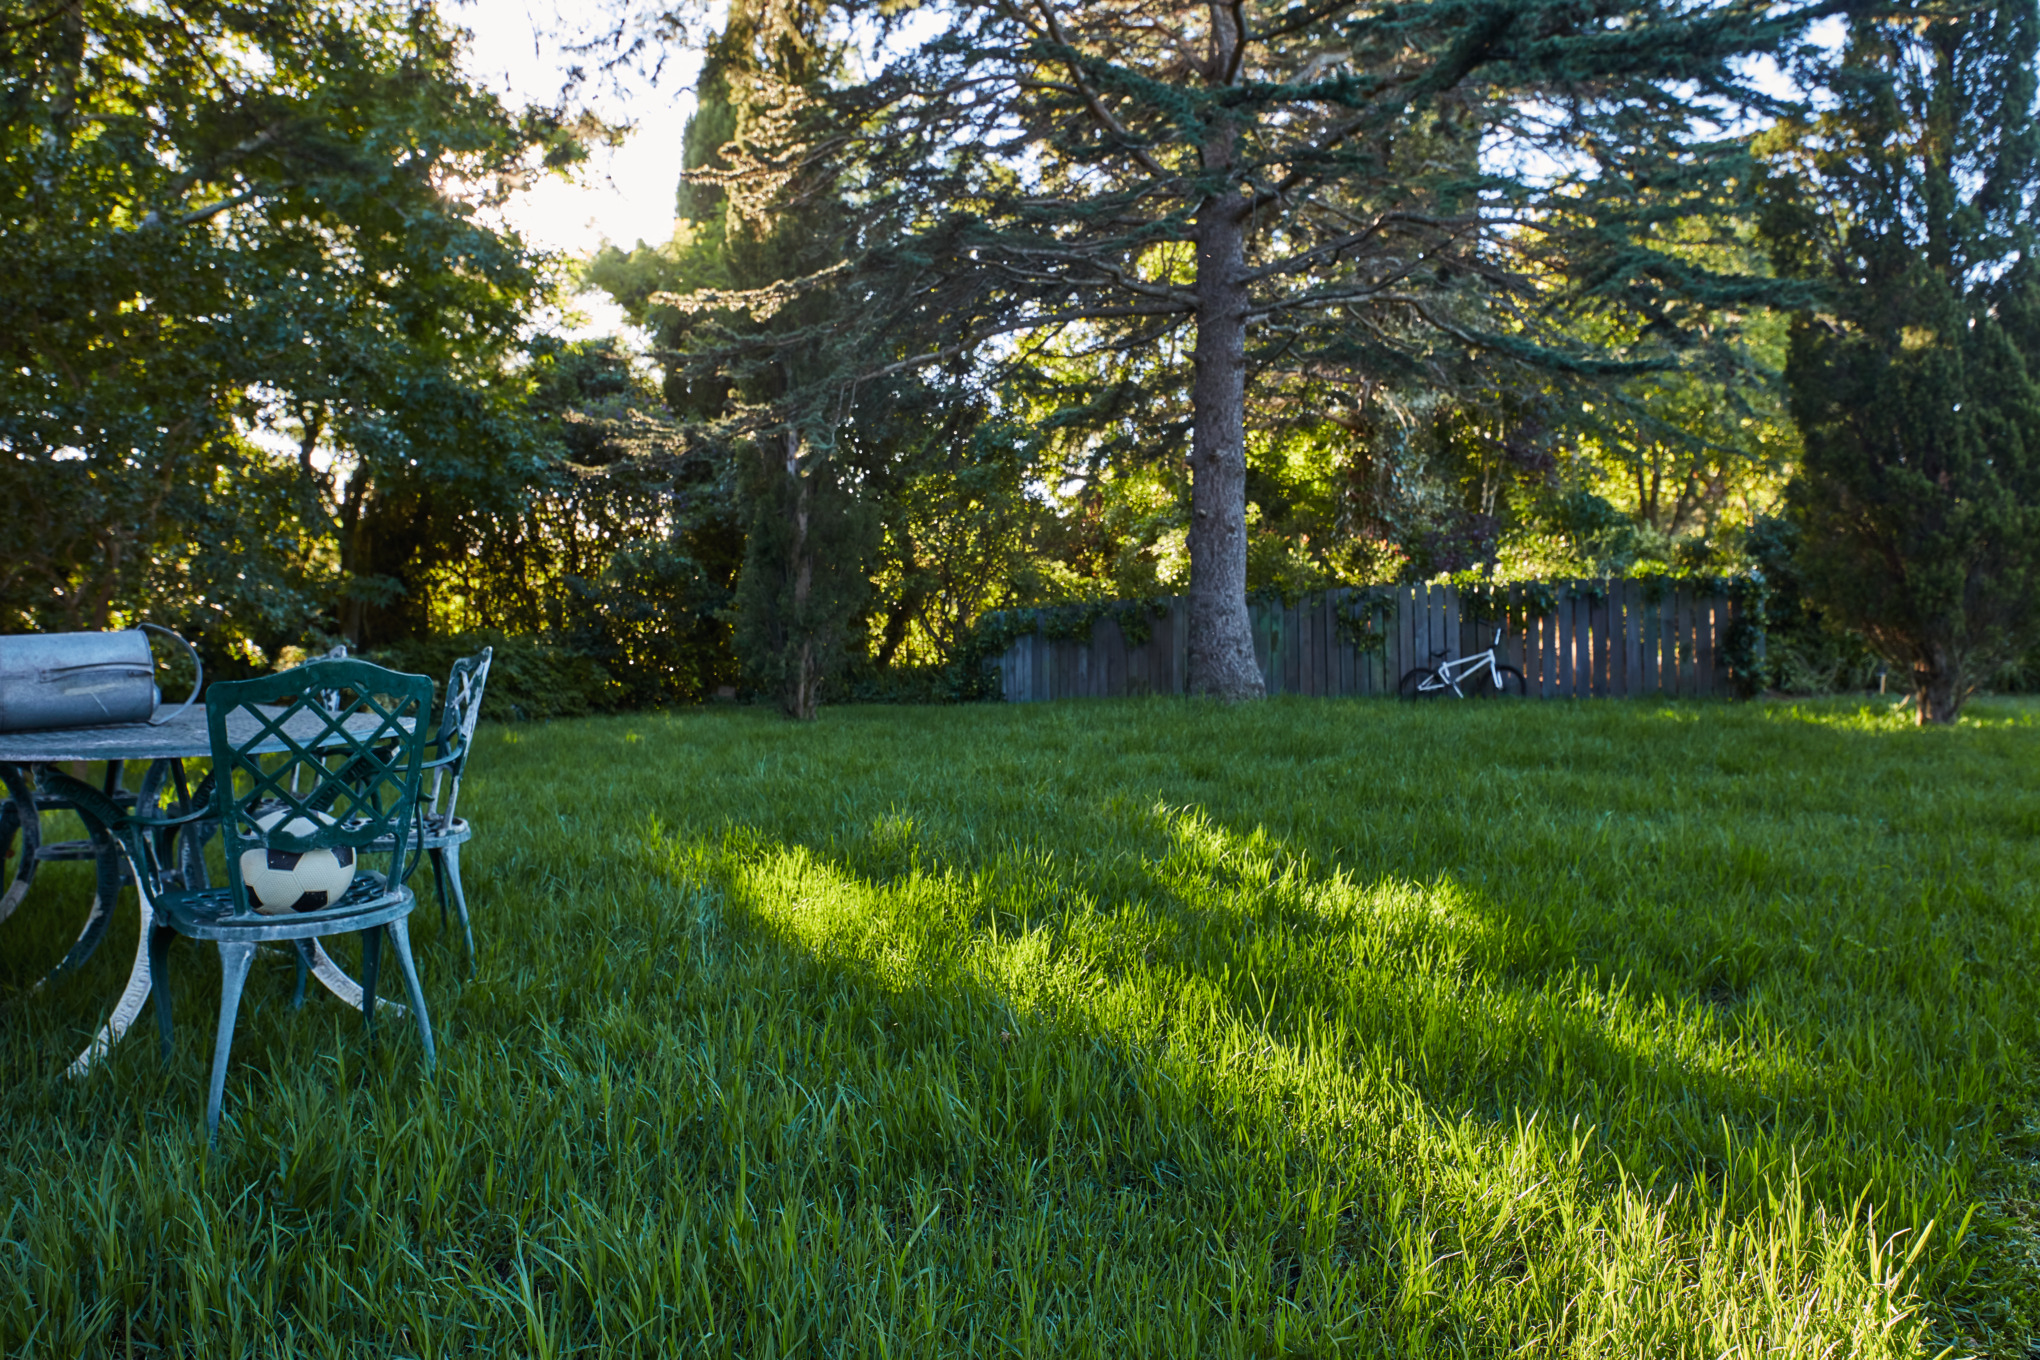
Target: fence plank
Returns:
[[1561, 668], [1338, 677], [1349, 677], [1328, 641], [1547, 650], [1426, 631], [1290, 640], [1667, 674], [1602, 608], [1512, 629], [1406, 606], [1618, 641], [1590, 655], [1309, 668], [1583, 641], [1681, 632], [1632, 639], [1582, 652], [1705, 619], [1667, 637], [1333, 650], [1328, 646], [1301, 620]]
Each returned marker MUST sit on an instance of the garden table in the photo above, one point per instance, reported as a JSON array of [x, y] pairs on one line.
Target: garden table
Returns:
[[165, 748]]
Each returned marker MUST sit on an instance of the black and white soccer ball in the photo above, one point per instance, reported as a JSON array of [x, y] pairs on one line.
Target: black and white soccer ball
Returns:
[[286, 881]]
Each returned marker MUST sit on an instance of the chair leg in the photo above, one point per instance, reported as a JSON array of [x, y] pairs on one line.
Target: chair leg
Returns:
[[371, 962], [159, 980], [235, 957], [439, 882], [400, 936], [303, 949], [10, 824], [460, 904]]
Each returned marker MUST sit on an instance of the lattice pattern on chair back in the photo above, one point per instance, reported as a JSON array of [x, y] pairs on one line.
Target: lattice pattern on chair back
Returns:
[[464, 687], [357, 762]]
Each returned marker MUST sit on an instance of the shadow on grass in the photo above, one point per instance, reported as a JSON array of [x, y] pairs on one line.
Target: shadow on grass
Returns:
[[1331, 1122]]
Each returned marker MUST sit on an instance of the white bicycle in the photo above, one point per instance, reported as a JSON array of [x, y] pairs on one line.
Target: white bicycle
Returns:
[[1470, 677]]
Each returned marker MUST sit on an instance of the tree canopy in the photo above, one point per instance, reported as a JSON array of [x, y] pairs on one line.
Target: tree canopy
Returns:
[[237, 228]]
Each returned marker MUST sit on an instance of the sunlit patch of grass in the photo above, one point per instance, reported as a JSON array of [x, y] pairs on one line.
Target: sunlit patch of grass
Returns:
[[1111, 1029]]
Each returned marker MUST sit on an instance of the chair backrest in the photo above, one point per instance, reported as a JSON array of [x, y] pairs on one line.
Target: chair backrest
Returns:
[[464, 688], [278, 748]]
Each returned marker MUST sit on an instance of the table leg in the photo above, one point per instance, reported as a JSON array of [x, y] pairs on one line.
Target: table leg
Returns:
[[21, 800], [338, 983], [111, 864], [130, 1004], [136, 993], [113, 871]]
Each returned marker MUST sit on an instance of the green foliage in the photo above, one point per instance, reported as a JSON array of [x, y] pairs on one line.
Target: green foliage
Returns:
[[529, 678], [219, 218], [1806, 649], [1913, 200], [625, 543], [1588, 1030]]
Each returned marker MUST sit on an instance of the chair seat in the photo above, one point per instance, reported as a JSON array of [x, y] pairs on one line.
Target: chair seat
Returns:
[[432, 831], [50, 802], [208, 913], [437, 829]]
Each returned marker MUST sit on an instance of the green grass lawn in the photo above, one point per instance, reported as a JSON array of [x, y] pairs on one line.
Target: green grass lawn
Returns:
[[1144, 1027]]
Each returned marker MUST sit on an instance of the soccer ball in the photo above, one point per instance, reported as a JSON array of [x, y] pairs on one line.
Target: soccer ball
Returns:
[[286, 881]]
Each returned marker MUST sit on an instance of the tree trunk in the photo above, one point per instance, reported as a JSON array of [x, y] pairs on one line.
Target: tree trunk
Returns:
[[1221, 650], [1938, 690], [803, 684]]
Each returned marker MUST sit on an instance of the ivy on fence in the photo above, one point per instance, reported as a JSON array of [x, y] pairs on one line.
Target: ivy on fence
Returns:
[[1361, 615]]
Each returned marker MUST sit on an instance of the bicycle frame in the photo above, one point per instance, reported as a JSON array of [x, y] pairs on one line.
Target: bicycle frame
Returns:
[[1451, 673], [1448, 674]]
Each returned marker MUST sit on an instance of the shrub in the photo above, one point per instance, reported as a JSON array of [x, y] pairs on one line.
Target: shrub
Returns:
[[529, 678]]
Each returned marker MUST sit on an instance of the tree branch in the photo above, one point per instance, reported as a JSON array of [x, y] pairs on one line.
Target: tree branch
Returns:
[[1091, 99]]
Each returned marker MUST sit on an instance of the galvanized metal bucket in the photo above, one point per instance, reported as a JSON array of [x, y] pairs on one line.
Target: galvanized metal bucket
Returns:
[[84, 679]]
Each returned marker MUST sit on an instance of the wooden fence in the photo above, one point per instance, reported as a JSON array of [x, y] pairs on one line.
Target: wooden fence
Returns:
[[1571, 639]]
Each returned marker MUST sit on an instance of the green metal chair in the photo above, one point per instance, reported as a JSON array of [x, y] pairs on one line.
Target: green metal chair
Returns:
[[353, 770], [441, 834]]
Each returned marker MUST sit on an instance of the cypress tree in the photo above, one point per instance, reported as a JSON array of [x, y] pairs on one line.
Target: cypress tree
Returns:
[[1914, 381], [749, 359]]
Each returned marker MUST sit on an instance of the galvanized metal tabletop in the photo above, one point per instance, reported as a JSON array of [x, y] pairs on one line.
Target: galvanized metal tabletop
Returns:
[[181, 738]]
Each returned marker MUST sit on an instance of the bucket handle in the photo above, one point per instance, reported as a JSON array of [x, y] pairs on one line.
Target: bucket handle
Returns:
[[198, 673]]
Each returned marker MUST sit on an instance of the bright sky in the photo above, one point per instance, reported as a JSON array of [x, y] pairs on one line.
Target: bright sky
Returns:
[[623, 195]]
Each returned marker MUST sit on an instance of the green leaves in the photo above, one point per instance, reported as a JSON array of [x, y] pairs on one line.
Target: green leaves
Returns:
[[220, 220]]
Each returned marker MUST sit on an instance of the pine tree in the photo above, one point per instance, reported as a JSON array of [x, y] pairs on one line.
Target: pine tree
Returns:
[[1914, 383], [1382, 192]]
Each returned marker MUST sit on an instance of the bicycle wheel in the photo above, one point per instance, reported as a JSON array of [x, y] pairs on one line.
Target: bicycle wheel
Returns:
[[1506, 683], [1422, 683]]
